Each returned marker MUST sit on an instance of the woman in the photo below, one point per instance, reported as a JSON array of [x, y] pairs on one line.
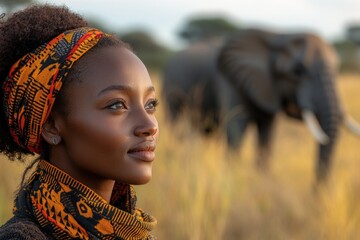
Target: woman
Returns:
[[85, 103]]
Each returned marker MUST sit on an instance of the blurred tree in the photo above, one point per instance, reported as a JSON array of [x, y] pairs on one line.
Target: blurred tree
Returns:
[[348, 53], [205, 27], [353, 33], [10, 5], [153, 54], [349, 49], [141, 41], [96, 22]]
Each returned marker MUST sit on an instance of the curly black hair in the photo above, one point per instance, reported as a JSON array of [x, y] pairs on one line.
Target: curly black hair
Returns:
[[23, 32]]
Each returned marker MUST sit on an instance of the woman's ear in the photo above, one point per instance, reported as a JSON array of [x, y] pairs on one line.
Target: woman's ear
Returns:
[[50, 131]]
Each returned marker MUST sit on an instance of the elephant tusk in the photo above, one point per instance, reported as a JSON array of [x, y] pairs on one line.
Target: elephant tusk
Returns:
[[352, 125], [314, 127]]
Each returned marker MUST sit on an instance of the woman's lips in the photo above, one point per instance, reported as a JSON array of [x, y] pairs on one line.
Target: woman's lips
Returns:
[[145, 153]]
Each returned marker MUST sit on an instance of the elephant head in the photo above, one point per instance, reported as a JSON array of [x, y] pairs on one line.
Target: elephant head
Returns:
[[294, 73], [308, 67]]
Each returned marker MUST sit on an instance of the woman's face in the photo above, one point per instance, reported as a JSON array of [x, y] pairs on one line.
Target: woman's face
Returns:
[[110, 130]]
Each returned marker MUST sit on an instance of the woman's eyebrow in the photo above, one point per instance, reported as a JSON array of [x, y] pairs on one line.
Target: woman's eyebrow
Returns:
[[150, 89], [114, 88], [122, 88]]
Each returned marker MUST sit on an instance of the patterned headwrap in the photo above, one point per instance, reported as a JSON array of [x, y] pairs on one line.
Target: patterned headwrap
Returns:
[[35, 80]]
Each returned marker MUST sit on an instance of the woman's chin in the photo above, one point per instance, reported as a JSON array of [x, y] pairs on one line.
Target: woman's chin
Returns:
[[142, 180]]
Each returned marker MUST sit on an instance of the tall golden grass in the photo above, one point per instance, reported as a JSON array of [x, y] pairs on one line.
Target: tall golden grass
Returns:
[[200, 190]]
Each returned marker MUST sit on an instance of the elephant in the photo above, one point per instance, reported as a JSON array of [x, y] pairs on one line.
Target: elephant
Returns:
[[293, 73], [250, 78]]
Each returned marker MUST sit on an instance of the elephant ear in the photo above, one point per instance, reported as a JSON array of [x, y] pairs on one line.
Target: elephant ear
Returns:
[[248, 72]]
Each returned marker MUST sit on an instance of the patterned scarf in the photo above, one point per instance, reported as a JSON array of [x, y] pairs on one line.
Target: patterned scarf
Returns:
[[66, 209], [34, 81]]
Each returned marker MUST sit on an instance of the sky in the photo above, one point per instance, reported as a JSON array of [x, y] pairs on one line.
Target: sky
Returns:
[[164, 18]]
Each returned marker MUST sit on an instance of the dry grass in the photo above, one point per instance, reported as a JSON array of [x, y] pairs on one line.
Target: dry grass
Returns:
[[200, 191]]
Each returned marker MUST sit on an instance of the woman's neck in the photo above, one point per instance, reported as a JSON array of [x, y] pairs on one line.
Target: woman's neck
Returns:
[[101, 186]]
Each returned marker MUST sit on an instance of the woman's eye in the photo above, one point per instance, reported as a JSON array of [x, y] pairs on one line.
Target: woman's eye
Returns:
[[117, 105], [151, 106]]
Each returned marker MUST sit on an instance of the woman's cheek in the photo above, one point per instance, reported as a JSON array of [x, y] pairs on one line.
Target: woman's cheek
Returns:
[[106, 132]]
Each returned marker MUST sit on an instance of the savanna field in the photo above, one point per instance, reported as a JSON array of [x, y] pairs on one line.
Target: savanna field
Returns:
[[201, 191]]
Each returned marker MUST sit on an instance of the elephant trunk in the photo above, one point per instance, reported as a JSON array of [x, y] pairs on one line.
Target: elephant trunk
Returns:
[[328, 113], [318, 95]]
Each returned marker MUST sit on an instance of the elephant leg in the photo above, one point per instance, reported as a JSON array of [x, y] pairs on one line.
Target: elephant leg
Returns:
[[235, 116], [324, 162], [235, 131], [265, 128], [210, 109], [175, 109], [175, 104]]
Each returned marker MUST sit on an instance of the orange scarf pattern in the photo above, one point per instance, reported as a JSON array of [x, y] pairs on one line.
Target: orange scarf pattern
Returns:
[[34, 81], [64, 208]]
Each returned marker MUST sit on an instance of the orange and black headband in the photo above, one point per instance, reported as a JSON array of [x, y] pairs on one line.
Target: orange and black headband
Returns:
[[35, 80]]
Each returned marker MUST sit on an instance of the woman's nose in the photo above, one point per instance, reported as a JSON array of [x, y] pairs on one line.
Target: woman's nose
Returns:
[[147, 127]]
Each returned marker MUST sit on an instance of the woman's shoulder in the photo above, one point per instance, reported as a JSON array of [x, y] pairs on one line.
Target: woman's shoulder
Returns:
[[21, 229]]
